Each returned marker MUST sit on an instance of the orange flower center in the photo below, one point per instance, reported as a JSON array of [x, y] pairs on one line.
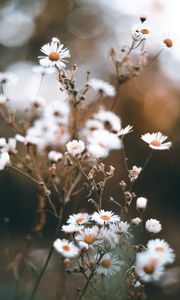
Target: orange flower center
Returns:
[[89, 239], [159, 249], [168, 43], [80, 220], [66, 248], [105, 218], [156, 143], [74, 148], [54, 56], [149, 269], [144, 31], [106, 263]]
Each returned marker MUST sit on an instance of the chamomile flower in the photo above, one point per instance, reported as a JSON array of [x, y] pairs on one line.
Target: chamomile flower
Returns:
[[153, 226], [89, 236], [78, 219], [66, 248], [71, 228], [105, 217], [55, 53], [149, 266], [162, 248], [108, 265], [75, 147], [102, 86], [156, 141]]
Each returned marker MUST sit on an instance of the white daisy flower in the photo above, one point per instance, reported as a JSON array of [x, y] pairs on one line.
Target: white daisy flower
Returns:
[[4, 160], [111, 238], [162, 248], [125, 130], [38, 102], [109, 265], [102, 86], [104, 217], [141, 203], [109, 119], [66, 248], [89, 236], [55, 156], [134, 173], [78, 219], [75, 147], [149, 266], [8, 78], [55, 53], [120, 227], [156, 141], [153, 226], [57, 111]]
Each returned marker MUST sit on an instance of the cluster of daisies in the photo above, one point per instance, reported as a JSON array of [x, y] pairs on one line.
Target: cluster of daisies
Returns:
[[93, 241]]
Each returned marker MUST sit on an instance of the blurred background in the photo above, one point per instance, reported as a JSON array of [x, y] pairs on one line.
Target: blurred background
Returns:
[[150, 102]]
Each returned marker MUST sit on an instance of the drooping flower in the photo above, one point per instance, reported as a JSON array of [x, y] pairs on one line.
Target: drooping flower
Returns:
[[156, 141], [55, 53]]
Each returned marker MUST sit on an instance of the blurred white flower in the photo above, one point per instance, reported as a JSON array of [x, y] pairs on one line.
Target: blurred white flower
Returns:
[[134, 173], [78, 219], [162, 248], [75, 147], [109, 119], [109, 265], [55, 156], [141, 203], [4, 160], [102, 86], [66, 248]]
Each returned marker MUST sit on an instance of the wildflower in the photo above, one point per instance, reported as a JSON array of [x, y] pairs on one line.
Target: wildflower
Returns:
[[54, 156], [110, 236], [55, 54], [153, 226], [156, 141], [66, 248], [43, 70], [38, 102], [109, 265], [125, 130], [110, 120], [8, 78], [141, 203], [4, 160], [88, 236], [149, 266], [78, 219], [162, 248], [75, 147], [120, 227], [105, 217], [102, 86], [134, 173], [11, 145]]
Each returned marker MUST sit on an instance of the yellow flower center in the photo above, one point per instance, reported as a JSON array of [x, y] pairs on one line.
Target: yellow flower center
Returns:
[[106, 263], [89, 239], [144, 31], [105, 218], [156, 143], [66, 248], [80, 220], [54, 56], [149, 269], [168, 43], [159, 249]]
